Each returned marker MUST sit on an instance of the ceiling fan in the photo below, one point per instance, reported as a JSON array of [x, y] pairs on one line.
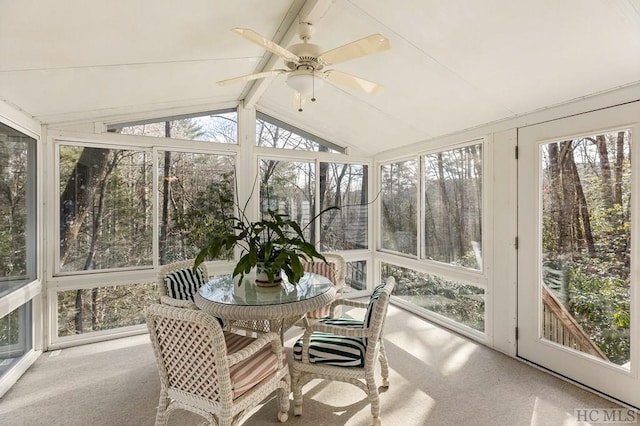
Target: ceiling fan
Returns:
[[306, 63]]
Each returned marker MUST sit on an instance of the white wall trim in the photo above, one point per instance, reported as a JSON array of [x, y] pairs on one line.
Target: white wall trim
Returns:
[[19, 120]]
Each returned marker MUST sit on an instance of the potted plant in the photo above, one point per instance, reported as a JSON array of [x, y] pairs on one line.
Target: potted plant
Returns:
[[272, 245]]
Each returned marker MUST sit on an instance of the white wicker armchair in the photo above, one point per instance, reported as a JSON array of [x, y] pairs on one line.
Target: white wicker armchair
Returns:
[[215, 374], [181, 270], [345, 350], [335, 269]]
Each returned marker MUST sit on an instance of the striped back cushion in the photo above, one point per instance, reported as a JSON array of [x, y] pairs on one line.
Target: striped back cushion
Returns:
[[183, 284], [326, 270], [331, 349], [368, 316]]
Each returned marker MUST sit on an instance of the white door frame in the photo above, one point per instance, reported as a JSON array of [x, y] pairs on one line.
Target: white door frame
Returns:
[[618, 382]]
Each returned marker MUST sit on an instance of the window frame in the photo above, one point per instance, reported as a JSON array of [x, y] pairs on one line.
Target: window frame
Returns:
[[111, 128], [459, 274], [74, 280], [283, 125], [378, 182], [246, 160], [28, 296]]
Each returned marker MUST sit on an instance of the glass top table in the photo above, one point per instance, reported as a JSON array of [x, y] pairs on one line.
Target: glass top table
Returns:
[[224, 298]]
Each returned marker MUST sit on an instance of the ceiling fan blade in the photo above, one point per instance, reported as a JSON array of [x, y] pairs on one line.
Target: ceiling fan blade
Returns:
[[298, 100], [250, 77], [267, 44], [372, 44], [353, 82]]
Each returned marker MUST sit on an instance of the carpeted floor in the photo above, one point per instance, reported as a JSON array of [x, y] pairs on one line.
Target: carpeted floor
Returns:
[[437, 378]]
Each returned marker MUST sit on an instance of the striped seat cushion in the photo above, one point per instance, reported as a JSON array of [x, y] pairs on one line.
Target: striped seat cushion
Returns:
[[331, 349], [250, 372], [183, 284], [326, 270]]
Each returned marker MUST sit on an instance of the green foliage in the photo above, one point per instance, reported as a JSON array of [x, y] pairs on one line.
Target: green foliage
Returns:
[[205, 215], [601, 305], [460, 302], [275, 243], [13, 208], [10, 329], [586, 235], [105, 308]]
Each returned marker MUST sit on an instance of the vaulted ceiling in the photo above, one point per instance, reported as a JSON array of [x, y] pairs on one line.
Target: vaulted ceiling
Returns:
[[452, 65]]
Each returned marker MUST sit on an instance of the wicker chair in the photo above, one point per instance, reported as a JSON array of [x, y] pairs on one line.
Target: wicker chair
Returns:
[[335, 269], [179, 274], [215, 374], [345, 350]]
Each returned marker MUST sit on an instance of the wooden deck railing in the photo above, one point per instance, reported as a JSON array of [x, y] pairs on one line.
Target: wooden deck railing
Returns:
[[560, 326]]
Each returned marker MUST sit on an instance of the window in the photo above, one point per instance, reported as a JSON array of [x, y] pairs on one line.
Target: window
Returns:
[[273, 133], [458, 301], [343, 186], [103, 308], [105, 208], [17, 210], [218, 127], [586, 235], [196, 192], [356, 276], [15, 336], [106, 211], [450, 231], [399, 213], [17, 241], [288, 187], [453, 206]]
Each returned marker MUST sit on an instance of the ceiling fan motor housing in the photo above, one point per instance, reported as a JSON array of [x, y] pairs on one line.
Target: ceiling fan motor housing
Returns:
[[308, 54]]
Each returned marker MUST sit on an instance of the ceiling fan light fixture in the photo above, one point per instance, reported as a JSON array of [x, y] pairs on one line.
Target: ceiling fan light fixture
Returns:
[[305, 82]]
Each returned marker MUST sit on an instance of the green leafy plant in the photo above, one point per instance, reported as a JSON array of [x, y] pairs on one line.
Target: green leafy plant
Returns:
[[275, 243]]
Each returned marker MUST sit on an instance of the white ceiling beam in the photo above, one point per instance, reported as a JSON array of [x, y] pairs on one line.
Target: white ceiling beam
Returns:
[[314, 10], [310, 11]]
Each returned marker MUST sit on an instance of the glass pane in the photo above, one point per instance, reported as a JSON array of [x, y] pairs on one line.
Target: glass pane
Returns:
[[288, 187], [344, 186], [453, 206], [271, 135], [399, 206], [222, 128], [196, 192], [15, 336], [586, 244], [103, 308], [461, 302], [17, 209], [356, 277], [105, 208]]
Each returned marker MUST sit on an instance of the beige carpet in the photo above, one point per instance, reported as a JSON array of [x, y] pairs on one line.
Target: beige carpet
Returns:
[[437, 378]]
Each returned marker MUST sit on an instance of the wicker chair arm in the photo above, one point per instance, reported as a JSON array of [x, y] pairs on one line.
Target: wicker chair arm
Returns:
[[339, 330], [262, 341], [345, 302], [177, 303], [350, 302]]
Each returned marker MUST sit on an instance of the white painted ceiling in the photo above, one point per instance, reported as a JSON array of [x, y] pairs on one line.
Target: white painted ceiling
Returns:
[[453, 64]]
